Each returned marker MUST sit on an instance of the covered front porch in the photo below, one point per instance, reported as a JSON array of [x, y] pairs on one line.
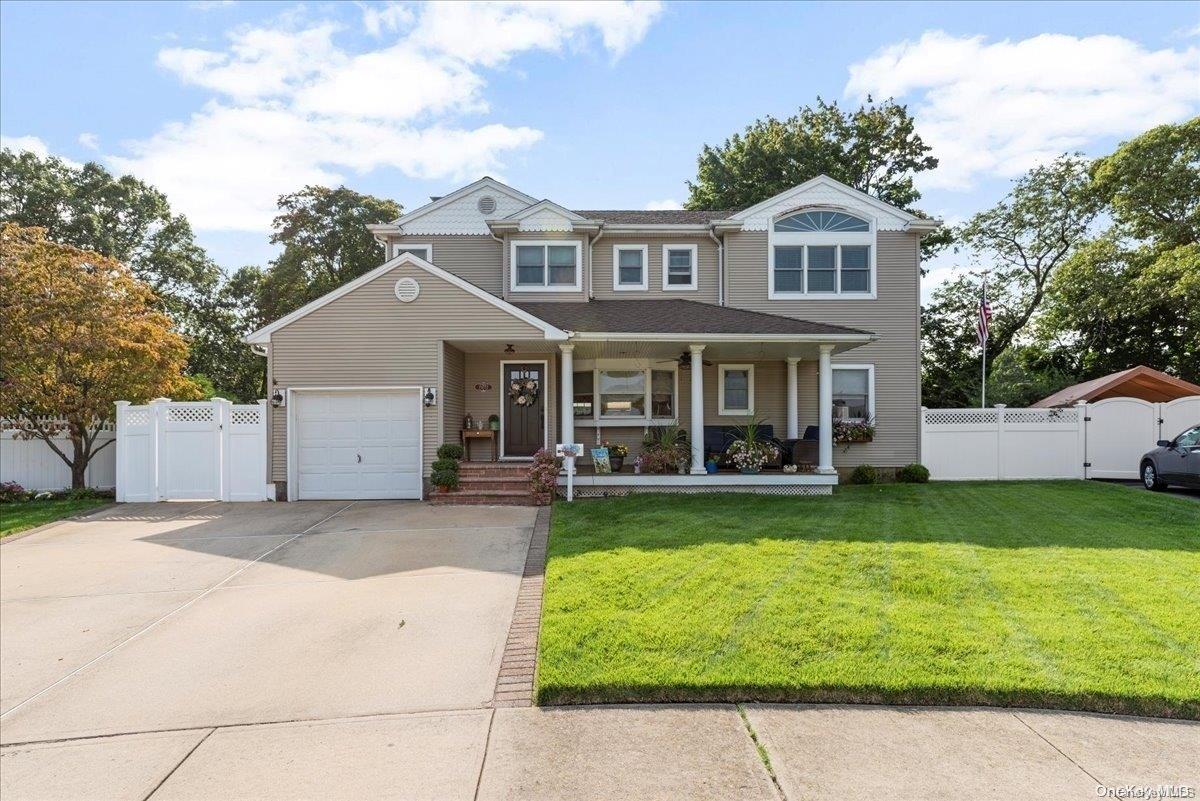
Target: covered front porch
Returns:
[[614, 391]]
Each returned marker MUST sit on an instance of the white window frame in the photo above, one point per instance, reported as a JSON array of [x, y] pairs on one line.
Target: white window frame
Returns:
[[545, 287], [616, 269], [721, 407], [695, 284], [822, 238], [870, 368], [427, 246], [647, 367]]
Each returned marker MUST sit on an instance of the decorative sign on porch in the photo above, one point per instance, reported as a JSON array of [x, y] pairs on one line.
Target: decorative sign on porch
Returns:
[[483, 386], [407, 290]]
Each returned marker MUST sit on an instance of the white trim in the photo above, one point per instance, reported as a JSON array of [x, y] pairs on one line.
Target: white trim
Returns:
[[625, 336], [807, 239], [870, 368], [293, 468], [829, 183], [263, 335], [397, 246], [694, 249], [542, 205], [616, 268], [504, 404], [485, 182], [721, 408], [771, 479], [544, 244]]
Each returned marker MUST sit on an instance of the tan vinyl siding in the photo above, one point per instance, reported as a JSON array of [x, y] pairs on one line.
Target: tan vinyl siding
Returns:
[[894, 315], [478, 259], [484, 369], [557, 236], [706, 256], [452, 394], [368, 338]]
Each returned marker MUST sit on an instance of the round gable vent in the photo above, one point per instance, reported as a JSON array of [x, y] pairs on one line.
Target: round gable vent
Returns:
[[486, 204], [407, 290]]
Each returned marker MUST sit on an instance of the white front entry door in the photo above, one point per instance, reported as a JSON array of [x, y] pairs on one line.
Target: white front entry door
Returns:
[[360, 444]]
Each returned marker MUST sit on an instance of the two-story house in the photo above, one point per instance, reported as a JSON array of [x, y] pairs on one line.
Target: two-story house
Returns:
[[595, 325]]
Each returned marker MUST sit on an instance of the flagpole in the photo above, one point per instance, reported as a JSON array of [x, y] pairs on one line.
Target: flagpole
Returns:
[[983, 378], [983, 340]]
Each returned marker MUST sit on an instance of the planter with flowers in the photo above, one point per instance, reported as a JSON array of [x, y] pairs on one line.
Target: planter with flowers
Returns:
[[749, 451], [852, 431], [616, 454]]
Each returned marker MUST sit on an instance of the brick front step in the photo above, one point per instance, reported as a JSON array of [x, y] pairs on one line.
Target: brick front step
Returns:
[[492, 468], [520, 484], [479, 499]]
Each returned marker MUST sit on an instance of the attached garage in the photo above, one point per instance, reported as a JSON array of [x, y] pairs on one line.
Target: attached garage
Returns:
[[356, 443]]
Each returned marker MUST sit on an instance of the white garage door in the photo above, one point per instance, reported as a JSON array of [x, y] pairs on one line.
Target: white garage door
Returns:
[[360, 444]]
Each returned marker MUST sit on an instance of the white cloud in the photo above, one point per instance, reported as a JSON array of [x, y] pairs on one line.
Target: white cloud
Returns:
[[997, 109], [89, 140], [663, 205], [31, 144], [210, 5], [292, 106]]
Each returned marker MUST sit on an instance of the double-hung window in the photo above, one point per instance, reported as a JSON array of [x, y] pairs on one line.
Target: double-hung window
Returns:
[[735, 389], [616, 392], [545, 266], [821, 254], [854, 392], [630, 267], [679, 267]]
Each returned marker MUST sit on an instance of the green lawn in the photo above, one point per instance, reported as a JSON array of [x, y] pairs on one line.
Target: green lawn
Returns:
[[1071, 595], [16, 517]]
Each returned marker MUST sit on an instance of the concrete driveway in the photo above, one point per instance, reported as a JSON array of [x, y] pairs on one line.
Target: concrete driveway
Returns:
[[164, 617]]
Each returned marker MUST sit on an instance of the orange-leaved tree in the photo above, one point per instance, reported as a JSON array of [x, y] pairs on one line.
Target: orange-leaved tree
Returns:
[[79, 332]]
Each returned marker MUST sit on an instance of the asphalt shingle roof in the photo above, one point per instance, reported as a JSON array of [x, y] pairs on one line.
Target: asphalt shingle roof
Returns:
[[670, 316], [660, 217]]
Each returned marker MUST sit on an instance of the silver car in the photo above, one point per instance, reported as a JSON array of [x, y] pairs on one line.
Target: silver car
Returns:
[[1174, 461]]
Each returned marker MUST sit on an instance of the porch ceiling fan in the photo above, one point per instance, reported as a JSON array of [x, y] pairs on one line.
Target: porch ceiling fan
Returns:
[[685, 361]]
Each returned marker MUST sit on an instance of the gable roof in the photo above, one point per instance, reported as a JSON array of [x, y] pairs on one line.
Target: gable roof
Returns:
[[1136, 382], [656, 216], [678, 317], [855, 197], [486, 182], [545, 205], [263, 335]]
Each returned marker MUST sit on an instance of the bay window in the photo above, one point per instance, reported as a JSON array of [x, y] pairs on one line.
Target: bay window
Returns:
[[622, 393], [584, 398], [628, 392]]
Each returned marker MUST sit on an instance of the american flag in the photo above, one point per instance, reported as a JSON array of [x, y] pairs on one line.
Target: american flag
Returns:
[[985, 314]]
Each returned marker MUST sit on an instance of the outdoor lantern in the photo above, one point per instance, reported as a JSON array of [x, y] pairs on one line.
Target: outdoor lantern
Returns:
[[430, 396], [278, 399]]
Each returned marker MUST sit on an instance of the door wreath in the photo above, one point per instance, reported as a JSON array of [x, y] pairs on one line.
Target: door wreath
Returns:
[[523, 391]]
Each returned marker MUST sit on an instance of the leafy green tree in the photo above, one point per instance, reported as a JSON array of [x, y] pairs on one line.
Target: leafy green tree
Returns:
[[325, 244]]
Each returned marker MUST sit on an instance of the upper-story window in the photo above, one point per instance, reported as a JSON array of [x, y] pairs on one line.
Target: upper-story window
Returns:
[[552, 266], [679, 267], [629, 267], [821, 254], [422, 250]]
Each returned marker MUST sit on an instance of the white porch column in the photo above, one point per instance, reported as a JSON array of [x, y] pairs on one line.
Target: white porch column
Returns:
[[793, 400], [567, 382], [696, 434], [825, 411]]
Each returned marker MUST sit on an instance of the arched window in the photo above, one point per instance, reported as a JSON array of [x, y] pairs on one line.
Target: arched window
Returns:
[[834, 221], [821, 253]]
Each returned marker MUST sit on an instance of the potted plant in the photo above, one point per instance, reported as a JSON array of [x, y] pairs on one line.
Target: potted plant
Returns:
[[543, 477], [748, 451], [494, 422], [616, 454], [710, 465], [444, 471], [665, 448], [853, 430]]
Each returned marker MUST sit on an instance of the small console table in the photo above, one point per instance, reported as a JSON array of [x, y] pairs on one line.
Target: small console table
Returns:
[[469, 434]]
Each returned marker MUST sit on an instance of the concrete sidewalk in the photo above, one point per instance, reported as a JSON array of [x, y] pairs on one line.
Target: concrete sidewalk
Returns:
[[626, 752]]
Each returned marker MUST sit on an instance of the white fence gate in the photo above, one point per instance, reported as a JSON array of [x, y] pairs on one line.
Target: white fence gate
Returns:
[[32, 464], [1090, 440], [211, 450]]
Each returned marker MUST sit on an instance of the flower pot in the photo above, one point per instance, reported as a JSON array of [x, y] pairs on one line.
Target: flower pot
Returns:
[[710, 467], [616, 462]]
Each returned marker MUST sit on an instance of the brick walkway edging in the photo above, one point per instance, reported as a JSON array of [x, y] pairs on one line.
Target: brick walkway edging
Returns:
[[514, 685]]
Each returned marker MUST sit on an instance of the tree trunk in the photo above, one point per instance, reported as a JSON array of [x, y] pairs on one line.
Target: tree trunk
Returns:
[[79, 463]]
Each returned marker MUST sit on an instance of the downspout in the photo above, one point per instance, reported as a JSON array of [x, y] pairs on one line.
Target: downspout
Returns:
[[591, 271], [503, 259], [720, 266]]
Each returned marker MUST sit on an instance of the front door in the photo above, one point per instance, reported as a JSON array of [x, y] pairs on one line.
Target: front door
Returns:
[[524, 408]]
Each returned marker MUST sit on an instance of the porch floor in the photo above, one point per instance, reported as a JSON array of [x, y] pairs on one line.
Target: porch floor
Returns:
[[587, 483]]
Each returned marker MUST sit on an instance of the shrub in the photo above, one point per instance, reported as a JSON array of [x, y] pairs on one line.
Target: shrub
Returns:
[[659, 461], [864, 474], [451, 450], [445, 464], [12, 492], [85, 494], [444, 479], [543, 477], [913, 474]]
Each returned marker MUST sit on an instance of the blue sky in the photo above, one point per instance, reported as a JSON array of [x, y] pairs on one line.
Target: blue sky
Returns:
[[226, 105]]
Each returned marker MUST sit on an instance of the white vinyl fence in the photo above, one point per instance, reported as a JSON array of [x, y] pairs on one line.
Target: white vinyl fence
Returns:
[[32, 464], [1105, 439], [210, 450]]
